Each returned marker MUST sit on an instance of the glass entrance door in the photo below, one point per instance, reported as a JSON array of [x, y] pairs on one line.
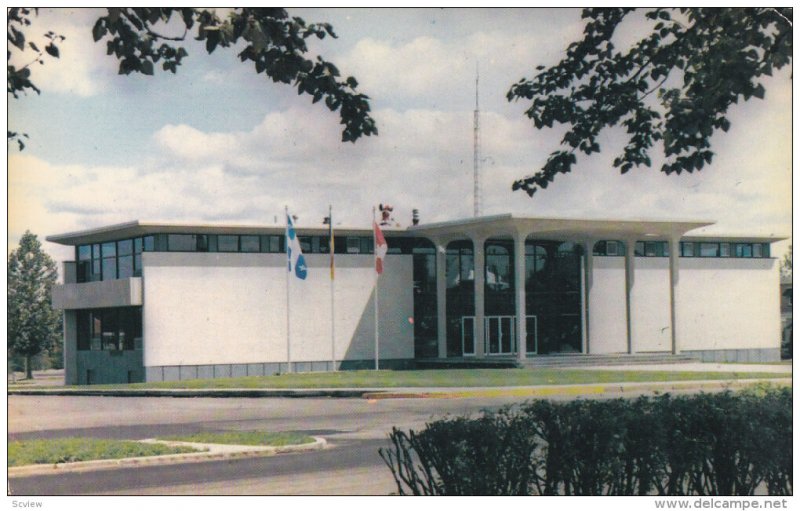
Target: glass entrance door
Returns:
[[499, 335]]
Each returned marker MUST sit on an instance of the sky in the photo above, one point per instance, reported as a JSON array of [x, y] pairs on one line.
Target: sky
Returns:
[[218, 143]]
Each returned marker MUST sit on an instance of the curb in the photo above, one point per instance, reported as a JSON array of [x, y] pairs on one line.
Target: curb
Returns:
[[574, 390], [246, 451], [406, 393], [335, 393]]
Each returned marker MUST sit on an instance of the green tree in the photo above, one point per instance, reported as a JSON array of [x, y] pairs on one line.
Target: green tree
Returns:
[[271, 40], [33, 325], [786, 264], [697, 61]]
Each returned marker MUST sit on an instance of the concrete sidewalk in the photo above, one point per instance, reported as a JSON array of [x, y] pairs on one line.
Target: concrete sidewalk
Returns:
[[590, 389]]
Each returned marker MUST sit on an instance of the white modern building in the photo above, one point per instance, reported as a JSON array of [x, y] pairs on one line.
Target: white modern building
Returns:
[[164, 301]]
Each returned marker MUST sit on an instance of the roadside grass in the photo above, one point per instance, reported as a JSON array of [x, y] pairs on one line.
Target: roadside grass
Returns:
[[66, 450], [445, 378], [275, 439]]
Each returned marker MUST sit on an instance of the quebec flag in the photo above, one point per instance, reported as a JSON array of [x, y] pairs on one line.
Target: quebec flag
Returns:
[[294, 255]]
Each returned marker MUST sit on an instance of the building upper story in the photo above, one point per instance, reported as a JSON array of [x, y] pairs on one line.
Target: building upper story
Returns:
[[115, 252]]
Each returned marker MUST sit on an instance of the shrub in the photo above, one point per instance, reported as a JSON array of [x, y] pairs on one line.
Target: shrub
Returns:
[[707, 444]]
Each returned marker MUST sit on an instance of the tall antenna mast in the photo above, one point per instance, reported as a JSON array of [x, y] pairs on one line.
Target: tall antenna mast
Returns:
[[476, 159]]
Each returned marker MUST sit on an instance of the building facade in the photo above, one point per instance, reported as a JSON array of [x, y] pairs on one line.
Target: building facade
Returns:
[[163, 301]]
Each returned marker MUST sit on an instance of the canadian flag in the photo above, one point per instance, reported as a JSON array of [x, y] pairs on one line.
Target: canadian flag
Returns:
[[380, 248]]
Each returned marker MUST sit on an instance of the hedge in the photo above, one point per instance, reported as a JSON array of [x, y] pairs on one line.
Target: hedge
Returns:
[[706, 444]]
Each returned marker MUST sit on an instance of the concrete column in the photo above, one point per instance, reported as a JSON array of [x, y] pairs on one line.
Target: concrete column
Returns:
[[70, 347], [480, 274], [630, 257], [441, 299], [674, 254], [519, 285], [587, 262]]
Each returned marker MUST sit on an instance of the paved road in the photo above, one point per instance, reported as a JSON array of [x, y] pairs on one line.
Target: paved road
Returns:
[[355, 428]]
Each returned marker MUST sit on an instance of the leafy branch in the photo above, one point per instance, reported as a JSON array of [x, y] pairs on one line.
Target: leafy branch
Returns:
[[719, 55]]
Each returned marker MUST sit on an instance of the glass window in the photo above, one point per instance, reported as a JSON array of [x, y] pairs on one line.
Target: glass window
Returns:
[[757, 250], [181, 243], [353, 245], [613, 248], [250, 244], [109, 249], [84, 252], [187, 242], [96, 251], [324, 245], [109, 268], [744, 250], [687, 249], [305, 244], [125, 267], [725, 249], [709, 250], [599, 248], [366, 245], [149, 243], [275, 244], [125, 247], [84, 330], [137, 265], [228, 243], [638, 249], [97, 332], [96, 273], [137, 245], [765, 250]]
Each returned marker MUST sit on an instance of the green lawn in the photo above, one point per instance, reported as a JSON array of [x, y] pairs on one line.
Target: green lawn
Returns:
[[276, 439], [445, 378], [65, 450]]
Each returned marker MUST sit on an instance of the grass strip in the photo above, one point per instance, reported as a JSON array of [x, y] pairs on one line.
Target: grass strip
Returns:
[[275, 439], [447, 378], [67, 450]]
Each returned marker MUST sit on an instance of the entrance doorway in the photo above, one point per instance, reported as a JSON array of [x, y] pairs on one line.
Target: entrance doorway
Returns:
[[500, 335]]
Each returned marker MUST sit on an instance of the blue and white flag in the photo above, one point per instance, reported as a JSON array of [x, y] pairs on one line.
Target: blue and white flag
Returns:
[[294, 255]]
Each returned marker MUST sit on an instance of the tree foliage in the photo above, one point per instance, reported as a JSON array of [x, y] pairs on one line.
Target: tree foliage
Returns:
[[697, 61], [271, 40], [19, 78], [33, 325], [786, 264]]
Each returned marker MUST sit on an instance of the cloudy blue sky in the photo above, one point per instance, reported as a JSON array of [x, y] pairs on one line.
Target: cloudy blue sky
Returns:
[[216, 142]]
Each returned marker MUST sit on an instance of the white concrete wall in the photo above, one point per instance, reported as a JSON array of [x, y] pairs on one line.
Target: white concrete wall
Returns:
[[607, 316], [650, 316], [215, 308], [728, 304]]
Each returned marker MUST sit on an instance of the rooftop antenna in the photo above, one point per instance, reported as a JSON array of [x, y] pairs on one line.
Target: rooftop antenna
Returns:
[[476, 161]]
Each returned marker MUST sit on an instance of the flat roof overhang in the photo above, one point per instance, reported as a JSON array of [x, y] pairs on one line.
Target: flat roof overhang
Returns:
[[138, 228], [495, 226], [559, 228]]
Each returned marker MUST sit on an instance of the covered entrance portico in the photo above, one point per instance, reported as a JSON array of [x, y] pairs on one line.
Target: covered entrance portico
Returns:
[[501, 279]]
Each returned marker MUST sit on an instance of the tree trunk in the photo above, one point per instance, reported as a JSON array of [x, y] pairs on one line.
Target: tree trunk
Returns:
[[28, 368]]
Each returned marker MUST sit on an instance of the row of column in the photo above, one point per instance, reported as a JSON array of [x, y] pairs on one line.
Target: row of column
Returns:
[[519, 291]]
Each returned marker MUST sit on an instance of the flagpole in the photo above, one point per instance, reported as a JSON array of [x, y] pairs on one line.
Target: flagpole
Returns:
[[288, 298], [333, 314], [377, 276]]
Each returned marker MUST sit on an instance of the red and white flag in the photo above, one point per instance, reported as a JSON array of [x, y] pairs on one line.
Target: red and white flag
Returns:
[[380, 248]]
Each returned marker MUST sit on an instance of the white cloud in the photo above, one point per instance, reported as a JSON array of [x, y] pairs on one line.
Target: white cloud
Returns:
[[423, 93], [82, 68]]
